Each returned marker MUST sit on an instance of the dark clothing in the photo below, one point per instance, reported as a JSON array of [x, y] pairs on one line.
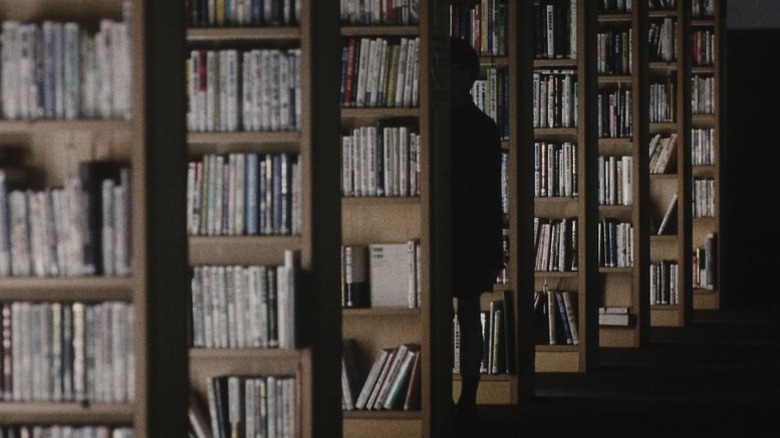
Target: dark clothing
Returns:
[[477, 216]]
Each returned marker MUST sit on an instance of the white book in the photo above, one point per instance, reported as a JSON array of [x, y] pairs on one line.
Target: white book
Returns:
[[19, 231], [9, 62], [671, 207], [391, 274], [288, 284], [401, 72], [411, 62], [5, 244]]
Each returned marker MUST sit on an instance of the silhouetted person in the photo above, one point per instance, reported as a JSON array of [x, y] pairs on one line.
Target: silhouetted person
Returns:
[[477, 217]]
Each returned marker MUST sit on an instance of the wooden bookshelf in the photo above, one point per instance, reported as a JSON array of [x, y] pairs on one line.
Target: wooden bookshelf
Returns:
[[513, 58], [130, 130], [577, 203], [673, 247], [707, 138], [311, 138], [622, 148], [391, 217]]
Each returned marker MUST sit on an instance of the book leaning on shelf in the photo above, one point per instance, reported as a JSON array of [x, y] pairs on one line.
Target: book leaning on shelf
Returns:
[[393, 380], [668, 220]]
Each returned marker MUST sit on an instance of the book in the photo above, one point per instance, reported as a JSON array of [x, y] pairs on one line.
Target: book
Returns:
[[349, 373], [392, 275], [396, 394], [355, 278], [217, 391], [563, 319], [551, 316], [392, 372], [571, 315], [614, 316], [668, 215], [496, 352], [373, 375], [381, 379], [288, 278], [412, 398]]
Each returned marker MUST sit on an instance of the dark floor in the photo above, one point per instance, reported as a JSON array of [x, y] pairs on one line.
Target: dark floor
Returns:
[[718, 377]]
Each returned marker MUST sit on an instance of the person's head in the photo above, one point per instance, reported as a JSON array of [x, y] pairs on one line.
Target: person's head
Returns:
[[464, 63]]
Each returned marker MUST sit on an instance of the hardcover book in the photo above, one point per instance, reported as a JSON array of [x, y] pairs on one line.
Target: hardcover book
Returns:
[[392, 275]]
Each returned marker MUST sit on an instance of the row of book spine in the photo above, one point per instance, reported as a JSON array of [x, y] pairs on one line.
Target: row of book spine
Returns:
[[702, 94], [702, 8], [662, 4], [379, 12], [79, 229], [662, 40], [616, 243], [381, 275], [380, 160], [68, 351], [555, 99], [392, 383], [702, 146], [244, 194], [615, 180], [662, 153], [555, 169], [483, 25], [555, 310], [253, 406], [703, 47], [244, 90], [704, 264], [58, 70], [245, 306], [555, 243], [615, 6], [703, 202], [217, 13], [497, 324], [380, 72], [491, 95], [66, 431], [663, 103], [614, 113], [614, 51], [555, 29], [663, 283]]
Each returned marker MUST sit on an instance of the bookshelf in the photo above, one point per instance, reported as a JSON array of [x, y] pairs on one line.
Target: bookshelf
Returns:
[[670, 115], [61, 292], [511, 61], [299, 137], [565, 126], [623, 182], [707, 66], [377, 213]]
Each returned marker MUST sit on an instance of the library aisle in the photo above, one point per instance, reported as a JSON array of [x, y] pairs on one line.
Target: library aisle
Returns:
[[718, 376]]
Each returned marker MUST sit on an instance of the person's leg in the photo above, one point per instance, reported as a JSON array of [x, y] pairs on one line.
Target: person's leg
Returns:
[[471, 350]]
